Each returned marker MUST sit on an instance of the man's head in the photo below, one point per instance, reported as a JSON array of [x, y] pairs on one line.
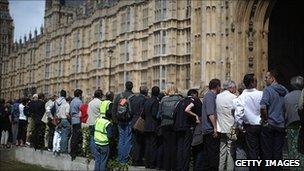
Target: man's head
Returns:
[[143, 90], [35, 97], [192, 93], [297, 83], [271, 77], [155, 91], [54, 97], [110, 95], [78, 93], [98, 94], [63, 93], [41, 96], [230, 86], [215, 85], [250, 81], [129, 85]]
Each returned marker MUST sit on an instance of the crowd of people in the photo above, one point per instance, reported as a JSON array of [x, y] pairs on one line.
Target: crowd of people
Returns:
[[165, 130]]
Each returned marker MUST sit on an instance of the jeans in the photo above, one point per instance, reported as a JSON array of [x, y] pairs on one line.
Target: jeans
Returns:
[[124, 142], [65, 131], [93, 147], [226, 160], [102, 157]]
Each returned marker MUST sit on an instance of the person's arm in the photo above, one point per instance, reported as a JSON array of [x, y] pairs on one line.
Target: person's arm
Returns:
[[109, 131], [67, 111], [211, 113], [188, 110], [213, 122], [239, 113], [264, 103], [109, 111]]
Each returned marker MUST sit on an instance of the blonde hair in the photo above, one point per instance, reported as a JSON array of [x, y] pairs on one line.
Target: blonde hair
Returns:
[[171, 89]]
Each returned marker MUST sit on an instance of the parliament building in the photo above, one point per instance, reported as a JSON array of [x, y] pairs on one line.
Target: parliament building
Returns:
[[91, 44]]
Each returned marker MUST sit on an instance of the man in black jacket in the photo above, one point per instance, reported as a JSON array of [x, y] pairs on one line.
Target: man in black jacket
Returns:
[[137, 107], [151, 127], [186, 116]]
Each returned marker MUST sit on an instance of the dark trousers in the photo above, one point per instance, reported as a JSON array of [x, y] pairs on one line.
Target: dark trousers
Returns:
[[22, 131], [272, 144], [198, 157], [184, 140], [160, 152], [38, 135], [169, 140], [76, 140], [138, 148], [150, 149], [50, 133], [253, 141], [211, 152]]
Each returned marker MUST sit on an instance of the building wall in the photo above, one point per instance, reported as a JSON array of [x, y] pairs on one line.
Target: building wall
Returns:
[[149, 41], [102, 45]]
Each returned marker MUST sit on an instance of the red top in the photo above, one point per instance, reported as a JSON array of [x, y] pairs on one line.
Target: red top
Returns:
[[84, 113]]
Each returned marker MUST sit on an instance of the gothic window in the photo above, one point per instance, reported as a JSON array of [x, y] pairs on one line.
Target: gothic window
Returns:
[[160, 10], [123, 23], [100, 30], [145, 16], [47, 71], [128, 19], [78, 64], [99, 56], [127, 51], [157, 42], [143, 78], [47, 49], [144, 52], [114, 28]]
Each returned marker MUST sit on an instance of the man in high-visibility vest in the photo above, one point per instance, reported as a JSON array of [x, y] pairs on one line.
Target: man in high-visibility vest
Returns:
[[106, 110], [102, 134]]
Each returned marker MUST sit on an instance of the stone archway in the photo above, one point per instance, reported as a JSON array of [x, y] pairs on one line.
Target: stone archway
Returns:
[[286, 40]]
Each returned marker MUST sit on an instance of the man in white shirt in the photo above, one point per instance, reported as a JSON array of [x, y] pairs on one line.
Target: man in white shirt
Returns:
[[247, 114], [225, 120], [93, 114]]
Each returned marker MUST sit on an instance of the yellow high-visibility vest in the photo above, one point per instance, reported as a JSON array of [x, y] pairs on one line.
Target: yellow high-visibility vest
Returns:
[[100, 133], [104, 107]]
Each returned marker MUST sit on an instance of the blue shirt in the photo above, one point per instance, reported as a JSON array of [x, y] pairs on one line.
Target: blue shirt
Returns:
[[273, 100], [74, 110], [208, 108]]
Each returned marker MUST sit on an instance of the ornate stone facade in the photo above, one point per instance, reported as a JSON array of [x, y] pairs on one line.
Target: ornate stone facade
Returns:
[[6, 37], [102, 44]]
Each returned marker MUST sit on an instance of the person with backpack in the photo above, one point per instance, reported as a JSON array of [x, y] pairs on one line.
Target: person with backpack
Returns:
[[166, 111], [15, 120], [185, 118], [37, 109], [137, 106], [63, 129], [122, 116], [150, 128], [93, 114]]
